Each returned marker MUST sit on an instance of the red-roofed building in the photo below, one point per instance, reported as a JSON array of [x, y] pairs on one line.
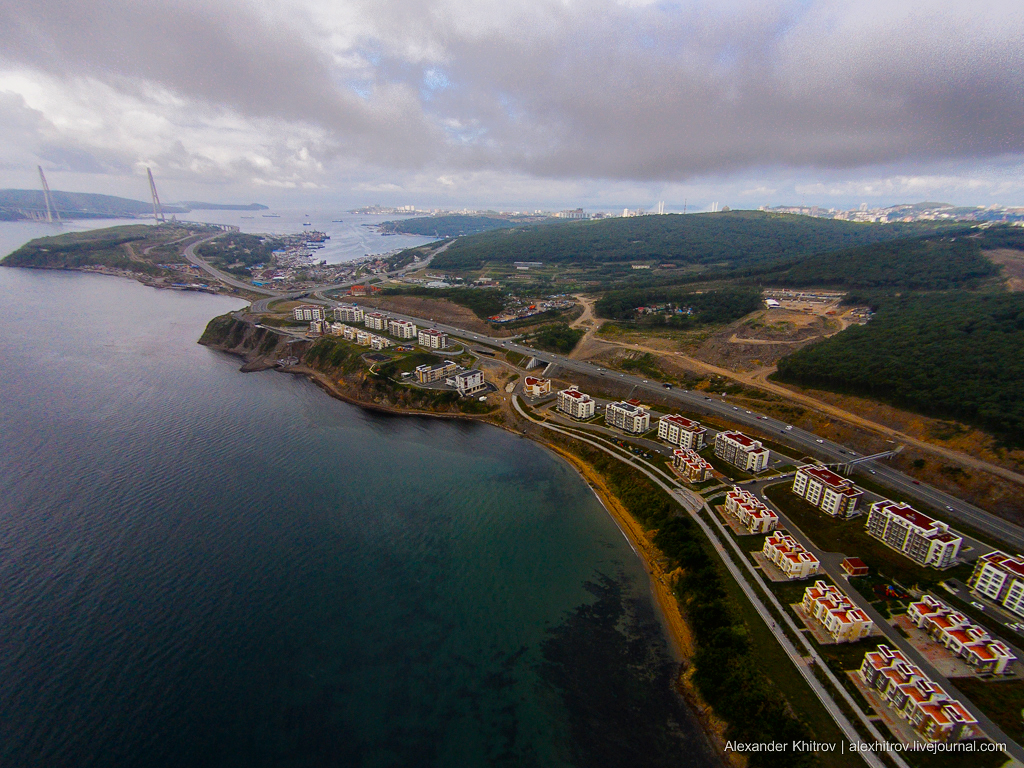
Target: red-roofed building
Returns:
[[1000, 577], [754, 515], [535, 387], [680, 431], [576, 404], [919, 537], [833, 609], [741, 451], [960, 635], [690, 465], [855, 566], [792, 559], [831, 493]]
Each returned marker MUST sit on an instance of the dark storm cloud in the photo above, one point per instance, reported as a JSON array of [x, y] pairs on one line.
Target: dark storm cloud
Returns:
[[588, 89]]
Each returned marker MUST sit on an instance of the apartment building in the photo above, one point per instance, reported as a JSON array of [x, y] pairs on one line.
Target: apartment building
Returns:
[[337, 329], [375, 321], [349, 313], [402, 329], [750, 511], [363, 338], [791, 558], [379, 342], [919, 537], [961, 636], [431, 338], [535, 387], [467, 382], [349, 332], [308, 312], [831, 493], [915, 698], [682, 432], [575, 403], [629, 417], [836, 613], [741, 451], [690, 465], [316, 327], [1000, 578], [428, 374]]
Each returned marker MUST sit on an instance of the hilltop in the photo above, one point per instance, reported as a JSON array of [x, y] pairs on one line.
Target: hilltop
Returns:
[[18, 204]]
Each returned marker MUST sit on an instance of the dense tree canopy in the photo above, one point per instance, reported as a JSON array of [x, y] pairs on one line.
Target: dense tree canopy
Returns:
[[696, 308]]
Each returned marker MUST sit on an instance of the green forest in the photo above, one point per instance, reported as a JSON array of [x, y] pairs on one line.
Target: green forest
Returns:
[[698, 308], [951, 355], [728, 239], [558, 337], [448, 226], [239, 247]]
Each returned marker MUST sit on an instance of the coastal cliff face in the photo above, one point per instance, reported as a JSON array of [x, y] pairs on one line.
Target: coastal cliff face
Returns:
[[259, 347]]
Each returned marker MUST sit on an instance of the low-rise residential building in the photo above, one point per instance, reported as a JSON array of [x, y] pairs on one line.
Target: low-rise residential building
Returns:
[[915, 698], [467, 382], [316, 327], [349, 313], [741, 451], [431, 338], [750, 511], [690, 465], [919, 537], [961, 636], [836, 613], [629, 417], [349, 332], [854, 566], [680, 431], [363, 338], [379, 342], [789, 555], [1000, 578], [402, 329], [831, 493], [376, 321], [575, 403], [308, 312], [535, 387], [428, 374], [337, 329]]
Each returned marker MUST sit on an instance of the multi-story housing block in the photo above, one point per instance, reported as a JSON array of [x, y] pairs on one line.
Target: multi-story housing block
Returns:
[[836, 612], [535, 387], [751, 512], [680, 431], [431, 338], [575, 403], [741, 451], [961, 636], [379, 342], [363, 338], [337, 329], [428, 374], [349, 332], [316, 327], [915, 698], [1000, 578], [690, 465], [349, 313], [402, 329], [831, 493], [629, 417], [919, 537], [467, 382], [789, 555], [376, 321], [308, 312]]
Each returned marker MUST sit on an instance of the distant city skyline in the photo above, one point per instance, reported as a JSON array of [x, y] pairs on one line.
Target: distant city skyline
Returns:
[[600, 104]]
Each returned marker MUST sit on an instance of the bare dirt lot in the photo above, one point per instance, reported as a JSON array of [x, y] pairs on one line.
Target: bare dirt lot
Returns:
[[1012, 262], [438, 310]]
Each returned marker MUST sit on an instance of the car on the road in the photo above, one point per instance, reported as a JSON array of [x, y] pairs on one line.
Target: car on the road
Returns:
[[667, 386], [735, 408], [949, 508], [872, 471], [916, 482], [707, 398], [751, 413], [978, 605], [788, 428], [819, 440], [646, 382]]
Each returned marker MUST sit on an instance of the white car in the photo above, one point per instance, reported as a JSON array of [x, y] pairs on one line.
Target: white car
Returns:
[[819, 441], [979, 606]]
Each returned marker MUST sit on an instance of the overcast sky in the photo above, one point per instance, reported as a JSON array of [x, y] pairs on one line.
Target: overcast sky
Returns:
[[517, 103]]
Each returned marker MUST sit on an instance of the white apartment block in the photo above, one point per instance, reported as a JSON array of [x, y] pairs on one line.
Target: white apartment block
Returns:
[[375, 321], [961, 636], [741, 451], [750, 511], [791, 558], [402, 329], [349, 332], [1000, 578], [690, 465], [337, 329], [836, 613], [575, 403], [629, 417], [919, 537], [363, 338], [467, 382], [428, 374], [831, 493], [682, 432], [431, 338], [379, 342], [316, 327], [308, 312], [349, 313], [535, 387], [915, 698]]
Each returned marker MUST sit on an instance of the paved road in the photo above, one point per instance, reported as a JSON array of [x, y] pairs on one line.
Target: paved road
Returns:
[[190, 255], [805, 442]]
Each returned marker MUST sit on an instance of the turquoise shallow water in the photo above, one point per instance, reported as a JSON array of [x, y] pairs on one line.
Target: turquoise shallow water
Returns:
[[203, 567]]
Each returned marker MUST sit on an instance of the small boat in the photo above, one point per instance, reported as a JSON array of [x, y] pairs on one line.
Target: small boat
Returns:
[[271, 216], [307, 224], [337, 221]]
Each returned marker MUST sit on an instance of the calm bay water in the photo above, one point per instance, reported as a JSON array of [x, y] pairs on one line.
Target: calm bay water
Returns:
[[200, 567]]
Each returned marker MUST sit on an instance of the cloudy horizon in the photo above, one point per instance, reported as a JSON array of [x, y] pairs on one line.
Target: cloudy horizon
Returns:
[[527, 104]]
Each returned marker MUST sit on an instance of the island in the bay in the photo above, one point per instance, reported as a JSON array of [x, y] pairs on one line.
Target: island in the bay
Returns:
[[811, 430]]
